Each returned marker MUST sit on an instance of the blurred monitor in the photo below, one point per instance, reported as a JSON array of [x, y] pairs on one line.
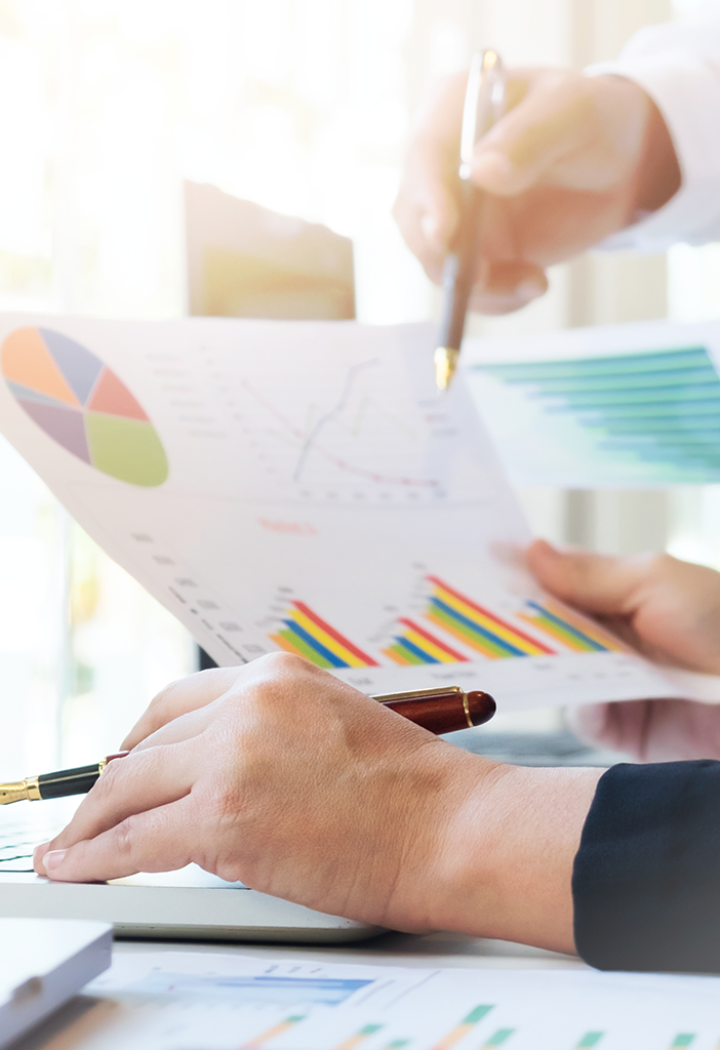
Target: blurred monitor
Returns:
[[246, 261]]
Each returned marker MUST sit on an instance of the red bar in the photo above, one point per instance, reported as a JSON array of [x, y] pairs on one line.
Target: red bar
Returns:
[[334, 634], [436, 641], [492, 616]]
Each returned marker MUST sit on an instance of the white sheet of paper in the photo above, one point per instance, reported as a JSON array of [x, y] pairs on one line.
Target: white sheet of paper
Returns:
[[635, 405], [188, 1001], [304, 486]]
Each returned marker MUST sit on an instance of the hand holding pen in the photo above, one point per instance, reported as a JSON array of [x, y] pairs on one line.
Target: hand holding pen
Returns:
[[438, 710], [280, 776], [484, 104]]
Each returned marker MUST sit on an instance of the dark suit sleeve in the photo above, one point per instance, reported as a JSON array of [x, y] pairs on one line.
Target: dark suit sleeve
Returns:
[[646, 880]]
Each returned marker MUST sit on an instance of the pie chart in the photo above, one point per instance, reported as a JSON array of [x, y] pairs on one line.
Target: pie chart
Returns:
[[82, 405]]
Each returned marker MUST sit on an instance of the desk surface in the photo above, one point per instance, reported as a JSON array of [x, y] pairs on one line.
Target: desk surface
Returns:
[[81, 1021]]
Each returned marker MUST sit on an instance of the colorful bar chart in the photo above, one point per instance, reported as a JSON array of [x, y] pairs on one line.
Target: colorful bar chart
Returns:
[[460, 1031], [416, 645], [570, 628], [307, 634], [478, 627]]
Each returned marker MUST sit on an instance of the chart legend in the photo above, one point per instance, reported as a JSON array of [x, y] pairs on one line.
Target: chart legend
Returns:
[[82, 405]]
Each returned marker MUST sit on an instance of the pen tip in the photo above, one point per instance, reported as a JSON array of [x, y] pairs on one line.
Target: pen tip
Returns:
[[446, 360]]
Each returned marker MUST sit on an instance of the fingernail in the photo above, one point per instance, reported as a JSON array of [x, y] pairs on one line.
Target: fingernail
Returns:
[[53, 859], [491, 167]]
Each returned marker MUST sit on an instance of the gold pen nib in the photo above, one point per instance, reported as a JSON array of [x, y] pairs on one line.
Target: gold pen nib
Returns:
[[446, 360], [21, 791]]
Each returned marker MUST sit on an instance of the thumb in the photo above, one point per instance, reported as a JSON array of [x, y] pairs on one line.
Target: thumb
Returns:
[[597, 583], [551, 121]]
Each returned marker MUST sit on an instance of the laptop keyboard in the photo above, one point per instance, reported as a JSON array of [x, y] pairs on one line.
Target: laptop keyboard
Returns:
[[24, 825]]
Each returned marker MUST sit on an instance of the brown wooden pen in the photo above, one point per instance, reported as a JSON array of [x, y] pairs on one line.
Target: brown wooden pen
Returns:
[[438, 710]]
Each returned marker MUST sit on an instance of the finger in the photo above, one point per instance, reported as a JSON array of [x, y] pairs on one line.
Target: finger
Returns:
[[426, 211], [546, 125], [621, 727], [595, 582], [143, 781], [158, 840], [508, 286], [187, 694]]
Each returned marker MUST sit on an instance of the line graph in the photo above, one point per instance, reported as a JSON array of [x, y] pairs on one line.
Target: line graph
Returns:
[[335, 411], [344, 443]]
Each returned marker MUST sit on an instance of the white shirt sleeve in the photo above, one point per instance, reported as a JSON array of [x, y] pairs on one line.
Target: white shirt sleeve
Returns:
[[678, 65]]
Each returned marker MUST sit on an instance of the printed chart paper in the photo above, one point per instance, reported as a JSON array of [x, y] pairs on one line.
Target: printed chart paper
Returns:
[[184, 1001], [303, 487], [634, 405]]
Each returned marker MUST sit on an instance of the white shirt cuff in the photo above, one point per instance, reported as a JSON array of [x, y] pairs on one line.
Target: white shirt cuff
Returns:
[[686, 90]]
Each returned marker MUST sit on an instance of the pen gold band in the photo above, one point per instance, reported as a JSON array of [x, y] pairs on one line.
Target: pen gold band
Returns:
[[20, 791], [466, 709], [415, 694]]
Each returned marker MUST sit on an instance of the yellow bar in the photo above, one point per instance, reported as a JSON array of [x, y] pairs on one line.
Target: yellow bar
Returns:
[[474, 643], [325, 639], [556, 632], [428, 647], [507, 634], [586, 626]]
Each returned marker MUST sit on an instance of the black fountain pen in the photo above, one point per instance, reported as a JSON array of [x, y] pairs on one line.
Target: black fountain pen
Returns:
[[484, 105], [438, 710]]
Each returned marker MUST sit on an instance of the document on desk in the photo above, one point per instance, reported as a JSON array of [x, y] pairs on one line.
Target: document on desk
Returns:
[[615, 406], [184, 1001], [304, 487]]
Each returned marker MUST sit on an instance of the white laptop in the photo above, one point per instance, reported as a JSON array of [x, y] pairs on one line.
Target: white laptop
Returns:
[[183, 904], [42, 965]]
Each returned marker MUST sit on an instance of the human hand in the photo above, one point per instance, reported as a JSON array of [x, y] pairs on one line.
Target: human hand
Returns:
[[574, 160], [670, 611], [280, 776]]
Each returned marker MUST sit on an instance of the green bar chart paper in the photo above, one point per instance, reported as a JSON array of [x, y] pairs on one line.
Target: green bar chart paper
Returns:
[[210, 1001], [641, 419]]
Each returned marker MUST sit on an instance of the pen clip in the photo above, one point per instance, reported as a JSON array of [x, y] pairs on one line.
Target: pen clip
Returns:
[[484, 104]]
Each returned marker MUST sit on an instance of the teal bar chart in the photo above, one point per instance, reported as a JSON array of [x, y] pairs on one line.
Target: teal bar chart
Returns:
[[649, 418]]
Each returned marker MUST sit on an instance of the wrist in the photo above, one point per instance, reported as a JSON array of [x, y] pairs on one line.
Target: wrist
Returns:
[[657, 177], [508, 853]]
